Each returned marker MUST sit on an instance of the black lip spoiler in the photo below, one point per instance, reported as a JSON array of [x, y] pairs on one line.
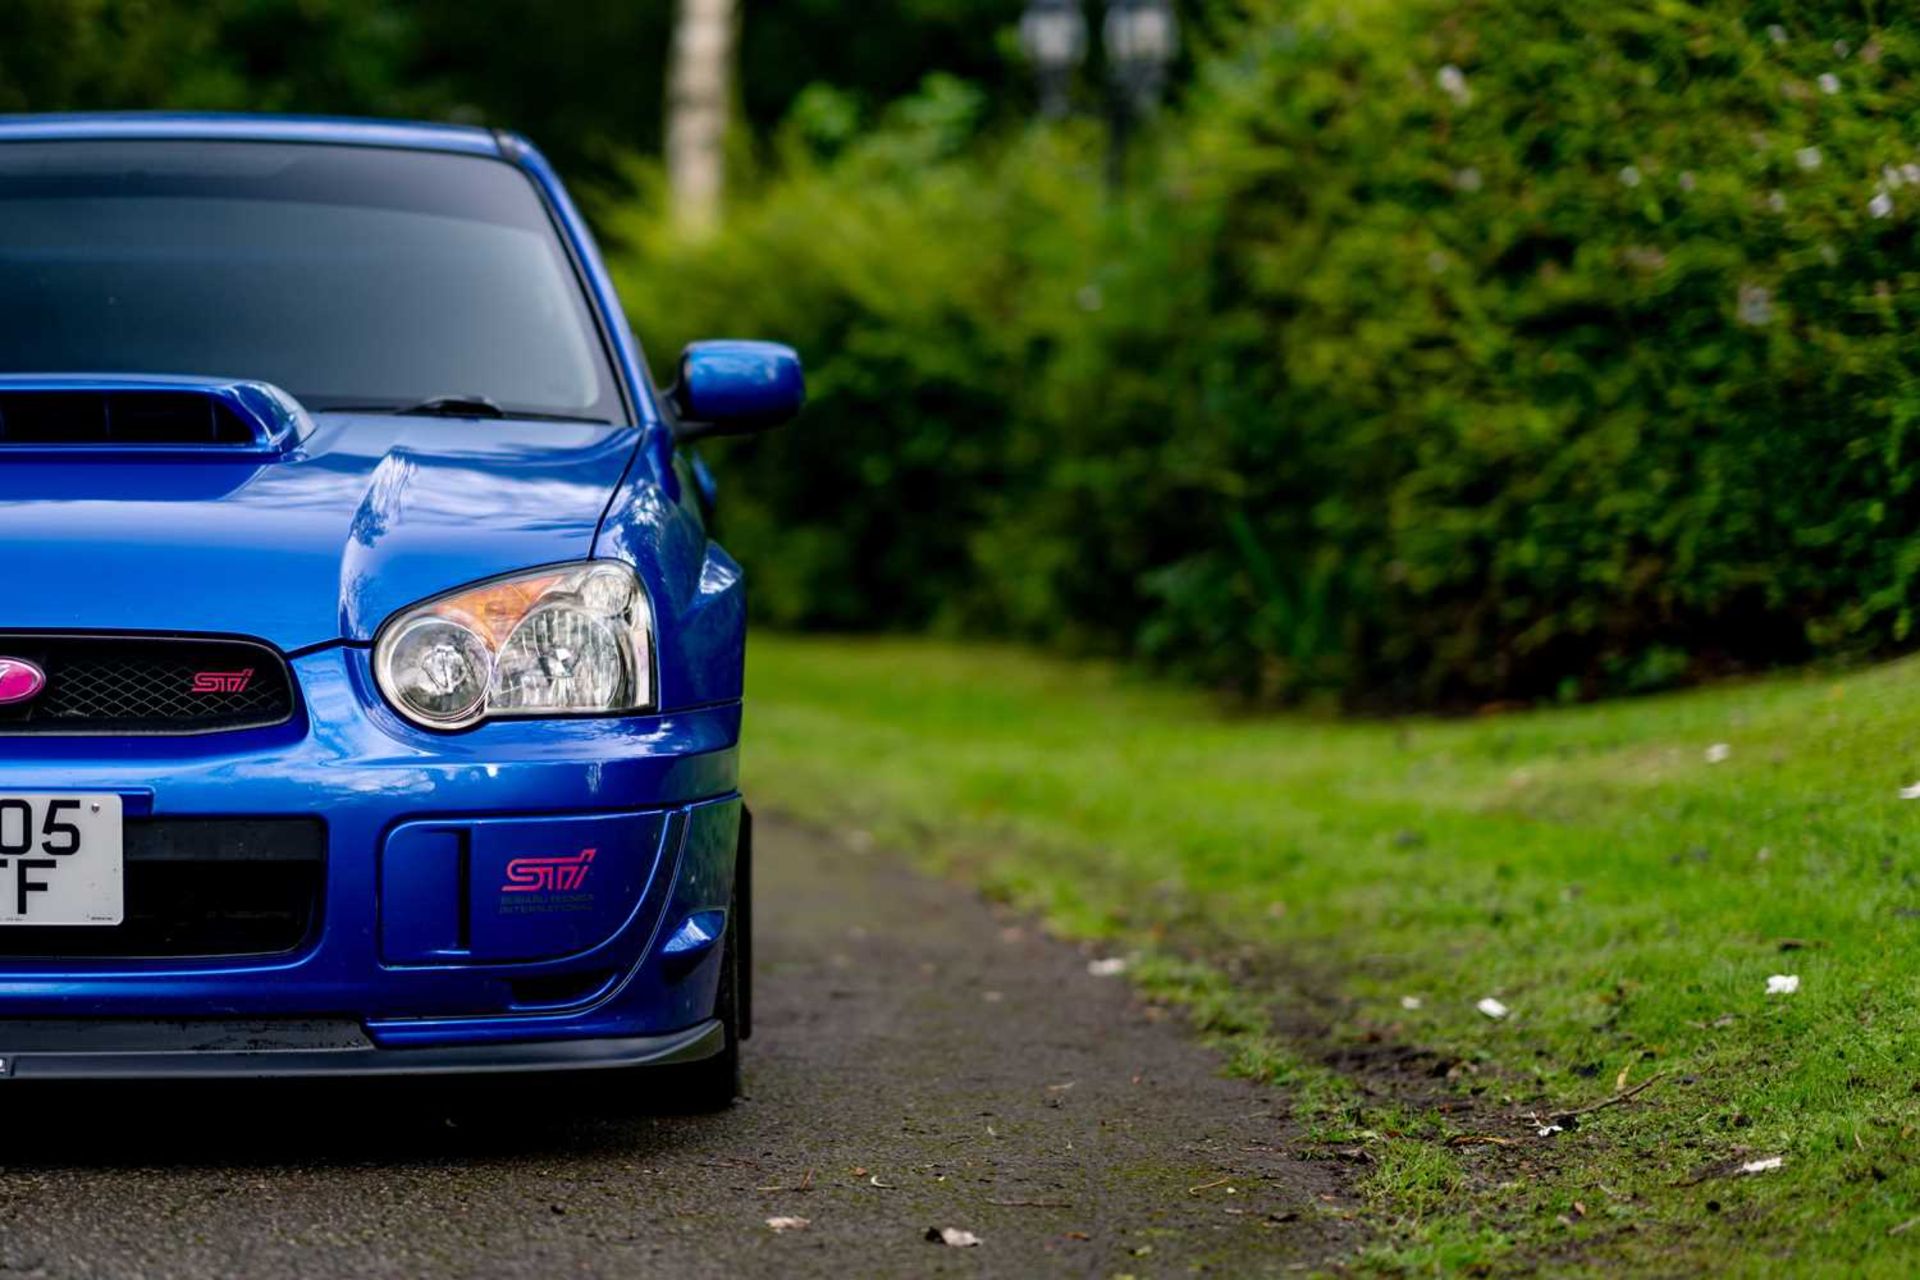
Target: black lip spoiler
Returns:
[[142, 414], [205, 1050]]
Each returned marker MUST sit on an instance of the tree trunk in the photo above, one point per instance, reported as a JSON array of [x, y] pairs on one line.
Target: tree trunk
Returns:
[[699, 102]]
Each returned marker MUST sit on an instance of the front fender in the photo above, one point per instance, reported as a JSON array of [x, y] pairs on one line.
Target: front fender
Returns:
[[699, 597]]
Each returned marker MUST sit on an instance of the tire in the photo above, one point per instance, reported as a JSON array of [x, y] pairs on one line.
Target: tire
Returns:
[[711, 1084]]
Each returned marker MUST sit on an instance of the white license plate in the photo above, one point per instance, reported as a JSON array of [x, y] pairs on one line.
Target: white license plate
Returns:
[[60, 860]]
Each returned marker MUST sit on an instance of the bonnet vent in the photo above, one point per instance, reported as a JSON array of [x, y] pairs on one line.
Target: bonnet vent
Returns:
[[138, 415]]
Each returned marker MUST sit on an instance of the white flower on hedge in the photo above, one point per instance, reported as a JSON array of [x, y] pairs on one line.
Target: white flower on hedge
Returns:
[[1910, 173], [1881, 206], [1891, 178], [1468, 179], [1687, 181], [1841, 48], [1777, 33], [1756, 309], [1777, 201], [1453, 82], [1829, 83], [1630, 176], [1808, 158]]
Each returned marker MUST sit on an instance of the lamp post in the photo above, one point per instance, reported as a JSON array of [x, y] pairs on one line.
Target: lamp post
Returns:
[[1054, 35], [1142, 39]]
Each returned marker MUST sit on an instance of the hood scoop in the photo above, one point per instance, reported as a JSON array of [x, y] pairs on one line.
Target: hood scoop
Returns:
[[94, 414]]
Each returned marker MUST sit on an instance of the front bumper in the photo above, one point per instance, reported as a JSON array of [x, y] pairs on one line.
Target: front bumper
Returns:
[[438, 983]]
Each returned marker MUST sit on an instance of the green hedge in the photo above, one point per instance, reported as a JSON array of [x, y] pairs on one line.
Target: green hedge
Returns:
[[1439, 353]]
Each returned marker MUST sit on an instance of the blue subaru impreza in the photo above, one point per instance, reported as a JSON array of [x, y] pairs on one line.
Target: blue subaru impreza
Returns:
[[369, 684]]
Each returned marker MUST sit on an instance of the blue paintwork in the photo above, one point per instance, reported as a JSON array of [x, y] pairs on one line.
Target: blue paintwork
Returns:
[[749, 384], [278, 421], [368, 515], [472, 908], [311, 547]]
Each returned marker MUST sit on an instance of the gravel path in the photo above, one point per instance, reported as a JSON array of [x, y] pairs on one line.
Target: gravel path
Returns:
[[920, 1061]]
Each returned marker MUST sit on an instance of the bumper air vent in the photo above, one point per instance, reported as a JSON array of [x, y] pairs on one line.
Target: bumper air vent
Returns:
[[201, 887]]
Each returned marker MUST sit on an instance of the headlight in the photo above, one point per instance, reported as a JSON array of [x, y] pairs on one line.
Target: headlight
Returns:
[[568, 641]]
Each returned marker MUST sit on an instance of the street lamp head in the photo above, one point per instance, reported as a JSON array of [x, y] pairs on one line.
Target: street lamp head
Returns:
[[1142, 39], [1054, 35]]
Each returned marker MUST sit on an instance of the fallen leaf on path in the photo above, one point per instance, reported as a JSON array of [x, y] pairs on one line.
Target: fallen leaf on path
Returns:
[[952, 1237], [1492, 1008], [1783, 984], [789, 1224], [1734, 1167], [1112, 967]]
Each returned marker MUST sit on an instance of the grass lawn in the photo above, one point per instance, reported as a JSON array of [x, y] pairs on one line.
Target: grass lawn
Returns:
[[1624, 878]]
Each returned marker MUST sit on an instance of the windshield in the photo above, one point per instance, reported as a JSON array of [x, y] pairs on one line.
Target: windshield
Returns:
[[352, 277]]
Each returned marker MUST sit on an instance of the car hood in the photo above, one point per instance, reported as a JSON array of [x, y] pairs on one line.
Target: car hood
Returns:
[[367, 515]]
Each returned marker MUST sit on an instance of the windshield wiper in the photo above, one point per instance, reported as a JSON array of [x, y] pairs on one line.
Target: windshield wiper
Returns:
[[457, 407], [453, 407]]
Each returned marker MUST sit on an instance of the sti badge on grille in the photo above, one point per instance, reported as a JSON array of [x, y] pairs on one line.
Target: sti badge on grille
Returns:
[[20, 681]]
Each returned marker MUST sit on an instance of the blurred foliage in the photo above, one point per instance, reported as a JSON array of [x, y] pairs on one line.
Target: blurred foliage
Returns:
[[584, 79], [1439, 353], [874, 52]]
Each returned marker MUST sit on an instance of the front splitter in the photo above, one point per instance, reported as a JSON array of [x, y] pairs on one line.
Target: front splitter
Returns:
[[205, 1050]]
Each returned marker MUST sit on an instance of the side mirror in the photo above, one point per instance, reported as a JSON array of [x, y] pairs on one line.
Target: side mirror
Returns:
[[736, 388]]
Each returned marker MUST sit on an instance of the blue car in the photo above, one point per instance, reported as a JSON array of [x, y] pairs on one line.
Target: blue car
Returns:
[[370, 687]]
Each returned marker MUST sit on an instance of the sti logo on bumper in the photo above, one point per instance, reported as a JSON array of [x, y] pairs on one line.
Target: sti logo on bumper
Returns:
[[20, 681], [222, 681], [548, 875]]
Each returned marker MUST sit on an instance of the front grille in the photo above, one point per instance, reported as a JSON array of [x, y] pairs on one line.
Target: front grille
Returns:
[[200, 887], [148, 685]]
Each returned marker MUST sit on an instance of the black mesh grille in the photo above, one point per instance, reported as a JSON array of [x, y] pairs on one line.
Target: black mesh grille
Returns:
[[200, 887], [148, 685]]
